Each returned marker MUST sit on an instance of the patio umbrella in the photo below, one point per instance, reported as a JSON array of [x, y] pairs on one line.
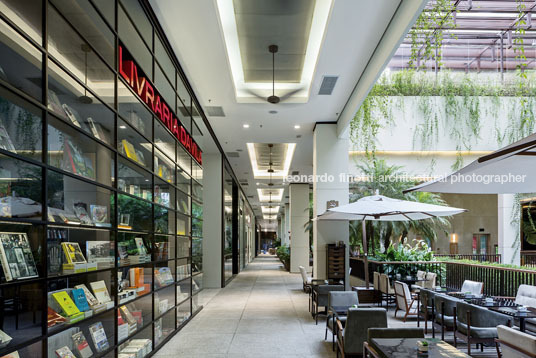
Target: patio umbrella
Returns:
[[382, 208], [509, 170]]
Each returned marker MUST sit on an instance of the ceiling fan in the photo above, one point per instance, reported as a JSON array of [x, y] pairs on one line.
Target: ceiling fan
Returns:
[[270, 171], [273, 98]]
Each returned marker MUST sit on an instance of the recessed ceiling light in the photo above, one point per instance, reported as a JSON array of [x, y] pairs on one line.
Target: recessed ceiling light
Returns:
[[245, 125], [258, 183], [272, 112], [122, 127], [297, 126]]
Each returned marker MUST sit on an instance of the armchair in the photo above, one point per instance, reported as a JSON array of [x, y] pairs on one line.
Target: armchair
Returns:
[[515, 344], [404, 301], [335, 298], [320, 294], [350, 339]]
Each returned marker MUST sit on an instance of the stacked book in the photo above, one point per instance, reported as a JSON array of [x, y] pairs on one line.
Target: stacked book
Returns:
[[136, 348]]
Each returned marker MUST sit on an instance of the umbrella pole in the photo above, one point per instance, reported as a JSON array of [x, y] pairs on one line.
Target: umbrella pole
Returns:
[[365, 251]]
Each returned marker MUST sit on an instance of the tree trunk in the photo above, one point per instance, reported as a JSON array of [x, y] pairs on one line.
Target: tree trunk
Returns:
[[387, 237]]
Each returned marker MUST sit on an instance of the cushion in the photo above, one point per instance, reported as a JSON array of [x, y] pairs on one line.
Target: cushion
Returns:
[[519, 339], [473, 287], [526, 296], [448, 320], [478, 332], [330, 321]]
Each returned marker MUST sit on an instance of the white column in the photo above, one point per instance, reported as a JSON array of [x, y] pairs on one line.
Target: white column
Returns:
[[330, 164], [299, 216], [280, 227], [212, 220], [286, 234], [508, 230]]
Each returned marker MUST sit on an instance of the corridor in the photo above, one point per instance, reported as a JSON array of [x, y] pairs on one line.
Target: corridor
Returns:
[[262, 313]]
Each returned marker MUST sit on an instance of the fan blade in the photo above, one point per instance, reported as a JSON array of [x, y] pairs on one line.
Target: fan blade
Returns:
[[289, 94], [255, 94]]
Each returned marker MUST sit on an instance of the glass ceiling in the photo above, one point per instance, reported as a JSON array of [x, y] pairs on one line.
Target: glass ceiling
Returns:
[[476, 36]]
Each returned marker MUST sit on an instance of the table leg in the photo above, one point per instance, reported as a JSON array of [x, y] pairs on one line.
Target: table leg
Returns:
[[522, 324], [419, 309]]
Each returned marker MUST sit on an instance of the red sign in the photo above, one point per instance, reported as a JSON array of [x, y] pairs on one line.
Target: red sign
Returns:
[[148, 94]]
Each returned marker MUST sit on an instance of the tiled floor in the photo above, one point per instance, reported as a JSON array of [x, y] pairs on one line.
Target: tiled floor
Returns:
[[262, 313]]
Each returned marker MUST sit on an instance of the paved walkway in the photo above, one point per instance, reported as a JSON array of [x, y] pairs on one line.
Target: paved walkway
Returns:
[[262, 313]]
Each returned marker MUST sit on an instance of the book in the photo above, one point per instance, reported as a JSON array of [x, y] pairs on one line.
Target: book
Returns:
[[5, 140], [163, 276], [100, 252], [96, 129], [79, 298], [5, 339], [100, 291], [74, 160], [122, 331], [127, 315], [72, 114], [54, 253], [98, 335], [66, 303], [142, 250], [91, 300], [72, 252], [54, 318], [129, 150], [80, 210], [64, 352], [16, 256], [54, 103], [81, 345], [99, 215]]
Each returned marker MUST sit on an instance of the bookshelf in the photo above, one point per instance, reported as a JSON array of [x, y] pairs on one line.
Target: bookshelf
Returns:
[[101, 207]]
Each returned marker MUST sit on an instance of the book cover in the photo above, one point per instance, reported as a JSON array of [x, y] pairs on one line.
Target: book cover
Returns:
[[100, 252], [79, 298], [66, 303], [98, 335], [64, 352], [129, 150], [54, 254], [68, 160], [96, 130], [122, 249], [128, 316], [99, 215], [5, 140], [100, 291], [73, 253], [54, 103], [80, 210], [142, 250], [16, 256], [54, 318], [91, 300], [72, 114], [81, 345]]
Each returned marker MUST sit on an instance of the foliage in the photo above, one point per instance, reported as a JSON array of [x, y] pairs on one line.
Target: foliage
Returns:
[[283, 253], [405, 252], [385, 179], [490, 264]]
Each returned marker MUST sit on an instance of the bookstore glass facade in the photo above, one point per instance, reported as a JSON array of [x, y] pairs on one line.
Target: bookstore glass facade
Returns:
[[101, 188]]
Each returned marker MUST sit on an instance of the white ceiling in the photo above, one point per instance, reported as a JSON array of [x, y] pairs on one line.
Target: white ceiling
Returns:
[[353, 32]]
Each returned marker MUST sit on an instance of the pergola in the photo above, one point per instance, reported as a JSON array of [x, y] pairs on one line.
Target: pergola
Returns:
[[481, 37]]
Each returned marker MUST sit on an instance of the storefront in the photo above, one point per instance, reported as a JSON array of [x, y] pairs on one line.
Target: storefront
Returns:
[[101, 181]]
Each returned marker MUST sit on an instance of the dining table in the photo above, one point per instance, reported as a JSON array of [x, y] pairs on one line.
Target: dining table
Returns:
[[407, 347]]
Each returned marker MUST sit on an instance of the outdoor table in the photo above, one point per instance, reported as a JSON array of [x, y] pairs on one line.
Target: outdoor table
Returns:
[[407, 347], [516, 314], [497, 302]]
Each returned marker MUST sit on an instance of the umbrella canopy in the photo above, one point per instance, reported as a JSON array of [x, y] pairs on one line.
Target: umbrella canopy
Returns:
[[509, 170], [382, 208]]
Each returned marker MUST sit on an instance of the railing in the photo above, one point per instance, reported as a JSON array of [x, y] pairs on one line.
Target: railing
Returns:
[[476, 257], [498, 281], [528, 259]]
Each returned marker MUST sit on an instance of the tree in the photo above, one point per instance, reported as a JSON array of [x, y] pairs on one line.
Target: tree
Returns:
[[387, 180]]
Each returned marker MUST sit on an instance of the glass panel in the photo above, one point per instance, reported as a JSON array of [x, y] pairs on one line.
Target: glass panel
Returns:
[[20, 63], [75, 299], [197, 261], [133, 316], [164, 299], [137, 14], [164, 247], [164, 87], [183, 181], [184, 289], [133, 248], [133, 146], [197, 283], [134, 213], [197, 191], [164, 220], [195, 303], [197, 210], [135, 282], [164, 140], [183, 272], [184, 108], [164, 326], [197, 172], [71, 151], [90, 25], [183, 246], [22, 245], [165, 62], [133, 111], [33, 350], [101, 326], [228, 215], [74, 53], [197, 228], [65, 100], [20, 189], [20, 126], [107, 9], [72, 201], [184, 160], [164, 167], [183, 203], [183, 313], [133, 180], [97, 245], [183, 225], [140, 345], [27, 15], [164, 193], [197, 135], [134, 43]]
